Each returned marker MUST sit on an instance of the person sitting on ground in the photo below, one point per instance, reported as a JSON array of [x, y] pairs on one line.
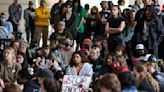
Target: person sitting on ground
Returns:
[[96, 60], [25, 76], [5, 23], [42, 75], [11, 87], [145, 82], [9, 68], [4, 33], [152, 68], [109, 83], [77, 67]]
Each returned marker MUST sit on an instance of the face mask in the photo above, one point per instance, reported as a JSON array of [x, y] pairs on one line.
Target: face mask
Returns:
[[66, 45], [140, 53], [93, 13]]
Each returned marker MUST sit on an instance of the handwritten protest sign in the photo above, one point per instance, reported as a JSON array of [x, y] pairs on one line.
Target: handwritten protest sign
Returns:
[[73, 83]]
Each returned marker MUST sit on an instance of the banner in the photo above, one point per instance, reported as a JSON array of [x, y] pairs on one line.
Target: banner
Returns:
[[73, 83]]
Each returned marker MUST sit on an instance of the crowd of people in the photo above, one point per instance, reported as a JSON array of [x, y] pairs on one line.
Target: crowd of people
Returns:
[[121, 50]]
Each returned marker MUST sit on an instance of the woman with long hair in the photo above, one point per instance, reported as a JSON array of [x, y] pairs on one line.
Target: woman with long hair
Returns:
[[93, 23], [107, 66], [77, 67], [81, 13], [129, 29], [145, 82]]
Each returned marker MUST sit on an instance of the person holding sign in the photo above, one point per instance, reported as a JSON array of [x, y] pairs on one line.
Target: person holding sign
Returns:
[[77, 67]]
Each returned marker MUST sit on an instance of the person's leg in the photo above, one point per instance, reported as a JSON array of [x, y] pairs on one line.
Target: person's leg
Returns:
[[38, 32], [15, 30], [79, 40], [32, 32], [27, 34], [155, 51], [45, 35]]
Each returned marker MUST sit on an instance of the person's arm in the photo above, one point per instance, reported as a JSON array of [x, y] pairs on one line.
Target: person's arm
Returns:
[[1, 83], [128, 36], [40, 15], [20, 16], [52, 15], [83, 14], [11, 14], [74, 23], [68, 71], [115, 30], [160, 29], [18, 68], [90, 72], [25, 15], [9, 27]]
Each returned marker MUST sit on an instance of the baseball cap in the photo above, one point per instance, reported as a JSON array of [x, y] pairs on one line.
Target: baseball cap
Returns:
[[42, 1], [30, 3], [135, 8], [44, 73], [87, 41], [139, 47]]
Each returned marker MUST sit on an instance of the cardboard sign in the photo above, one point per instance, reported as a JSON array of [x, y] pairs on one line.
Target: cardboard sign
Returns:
[[73, 83]]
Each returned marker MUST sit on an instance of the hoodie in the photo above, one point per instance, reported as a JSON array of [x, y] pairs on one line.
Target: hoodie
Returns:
[[31, 86]]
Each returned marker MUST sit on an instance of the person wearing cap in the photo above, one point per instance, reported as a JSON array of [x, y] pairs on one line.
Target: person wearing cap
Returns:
[[42, 75], [25, 76], [29, 16], [42, 16], [135, 8], [86, 46], [149, 30], [139, 54]]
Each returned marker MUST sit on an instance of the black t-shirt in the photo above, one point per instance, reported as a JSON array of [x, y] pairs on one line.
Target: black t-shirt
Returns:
[[106, 15], [115, 23], [31, 19]]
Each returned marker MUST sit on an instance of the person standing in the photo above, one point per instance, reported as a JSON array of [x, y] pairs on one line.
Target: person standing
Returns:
[[80, 11], [15, 13], [70, 19], [29, 16], [114, 28], [56, 11], [104, 15], [42, 16]]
